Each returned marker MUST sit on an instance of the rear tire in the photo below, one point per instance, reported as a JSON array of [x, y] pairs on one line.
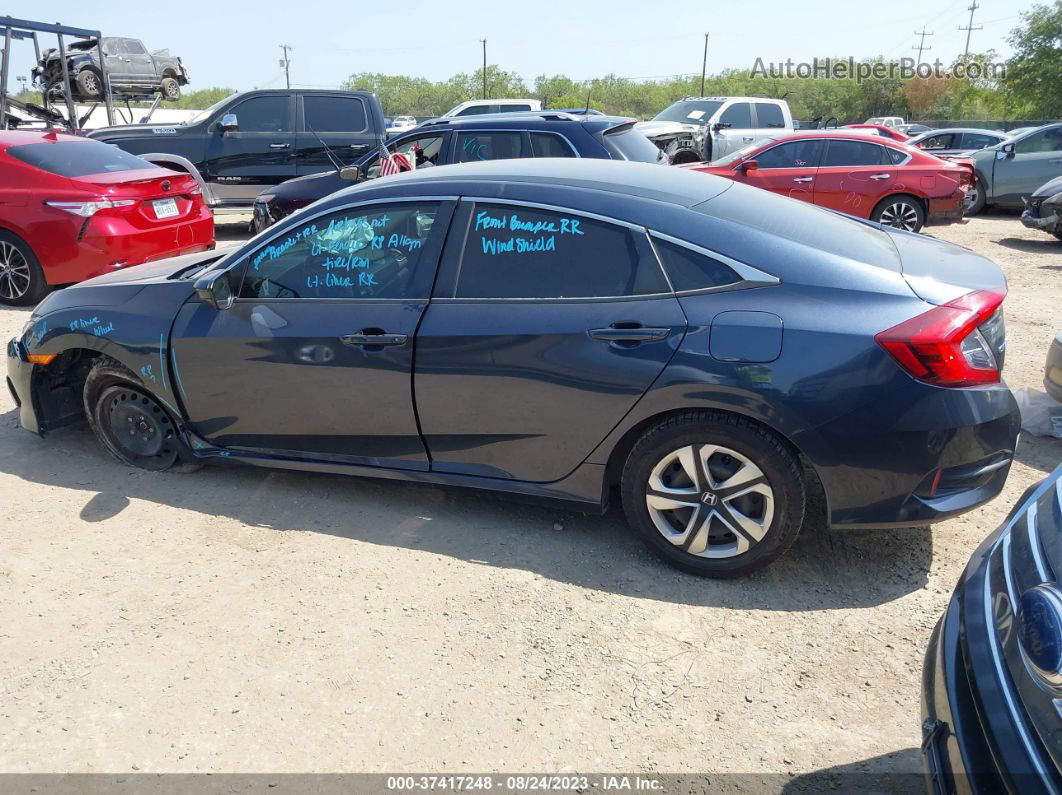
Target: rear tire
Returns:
[[171, 89], [713, 493], [129, 421], [22, 281], [900, 212], [977, 203]]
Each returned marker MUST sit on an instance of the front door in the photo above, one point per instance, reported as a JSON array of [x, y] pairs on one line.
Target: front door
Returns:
[[737, 130], [332, 124], [141, 67], [545, 328], [853, 176], [787, 169], [1037, 158], [260, 152], [314, 359]]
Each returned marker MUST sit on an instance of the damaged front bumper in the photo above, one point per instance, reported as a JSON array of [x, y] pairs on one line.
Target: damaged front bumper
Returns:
[[19, 383], [1044, 214]]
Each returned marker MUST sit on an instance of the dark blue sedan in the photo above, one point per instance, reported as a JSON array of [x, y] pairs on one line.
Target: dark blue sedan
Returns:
[[560, 328]]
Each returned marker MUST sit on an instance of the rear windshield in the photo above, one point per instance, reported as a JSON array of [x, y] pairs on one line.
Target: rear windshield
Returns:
[[626, 143], [77, 158]]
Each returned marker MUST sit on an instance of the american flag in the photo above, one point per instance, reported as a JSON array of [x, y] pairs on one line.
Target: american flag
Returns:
[[388, 163]]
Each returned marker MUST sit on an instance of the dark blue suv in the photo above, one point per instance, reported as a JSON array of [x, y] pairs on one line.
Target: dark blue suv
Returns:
[[500, 136]]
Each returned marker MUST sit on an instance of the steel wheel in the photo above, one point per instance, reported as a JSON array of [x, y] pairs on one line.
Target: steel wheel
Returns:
[[136, 428], [900, 214], [14, 272], [710, 501]]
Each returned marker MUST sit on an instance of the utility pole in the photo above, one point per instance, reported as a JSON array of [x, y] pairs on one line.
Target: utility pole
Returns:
[[922, 44], [484, 68], [286, 63], [970, 27], [704, 63]]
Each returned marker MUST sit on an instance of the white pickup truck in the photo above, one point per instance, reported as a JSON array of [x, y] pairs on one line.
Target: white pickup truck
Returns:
[[698, 129]]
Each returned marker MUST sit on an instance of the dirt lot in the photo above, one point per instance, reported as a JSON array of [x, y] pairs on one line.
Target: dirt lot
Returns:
[[247, 620]]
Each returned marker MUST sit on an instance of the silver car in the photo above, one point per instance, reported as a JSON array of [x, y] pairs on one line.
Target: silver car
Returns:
[[956, 140]]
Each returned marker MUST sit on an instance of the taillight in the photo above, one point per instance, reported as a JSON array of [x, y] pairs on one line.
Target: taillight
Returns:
[[958, 344], [89, 209]]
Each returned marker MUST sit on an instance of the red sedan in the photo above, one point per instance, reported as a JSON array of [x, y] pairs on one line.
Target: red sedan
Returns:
[[872, 178], [72, 208]]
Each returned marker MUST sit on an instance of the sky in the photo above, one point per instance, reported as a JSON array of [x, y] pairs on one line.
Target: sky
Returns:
[[236, 44]]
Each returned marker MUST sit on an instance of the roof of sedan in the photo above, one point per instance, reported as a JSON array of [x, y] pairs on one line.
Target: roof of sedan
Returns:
[[643, 180]]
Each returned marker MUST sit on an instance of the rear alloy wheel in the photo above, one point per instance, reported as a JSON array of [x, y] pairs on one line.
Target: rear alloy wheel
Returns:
[[713, 493], [901, 212], [129, 421], [21, 278], [171, 89]]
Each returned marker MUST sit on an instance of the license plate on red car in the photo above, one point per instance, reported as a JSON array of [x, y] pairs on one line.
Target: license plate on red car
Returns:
[[165, 208]]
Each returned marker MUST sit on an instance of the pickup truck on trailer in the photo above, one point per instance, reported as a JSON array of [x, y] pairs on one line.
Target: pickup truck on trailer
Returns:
[[248, 142], [130, 68]]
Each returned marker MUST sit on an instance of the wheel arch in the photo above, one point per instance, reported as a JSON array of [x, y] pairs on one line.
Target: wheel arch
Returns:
[[617, 456]]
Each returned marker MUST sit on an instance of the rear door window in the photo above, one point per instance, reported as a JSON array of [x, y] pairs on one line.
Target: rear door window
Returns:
[[852, 153], [550, 145], [514, 108], [978, 140], [522, 252], [769, 116], [489, 145], [333, 114], [794, 154]]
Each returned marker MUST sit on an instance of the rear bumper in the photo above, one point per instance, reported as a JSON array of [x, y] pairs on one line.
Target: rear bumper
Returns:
[[115, 244], [946, 210], [933, 458]]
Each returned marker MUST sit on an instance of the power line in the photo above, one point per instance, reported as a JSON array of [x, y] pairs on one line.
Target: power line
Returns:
[[970, 27]]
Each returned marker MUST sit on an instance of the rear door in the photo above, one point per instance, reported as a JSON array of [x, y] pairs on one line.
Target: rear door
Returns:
[[141, 67], [259, 153], [853, 176], [335, 122], [546, 326], [471, 146], [787, 169]]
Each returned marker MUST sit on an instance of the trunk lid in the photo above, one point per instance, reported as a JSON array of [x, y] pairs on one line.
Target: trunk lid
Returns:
[[939, 272], [161, 196]]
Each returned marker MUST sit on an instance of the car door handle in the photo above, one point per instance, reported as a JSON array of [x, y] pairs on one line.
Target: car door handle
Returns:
[[373, 339], [880, 176], [803, 179], [621, 332], [279, 146], [747, 138]]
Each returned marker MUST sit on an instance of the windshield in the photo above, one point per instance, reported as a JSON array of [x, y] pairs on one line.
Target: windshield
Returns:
[[203, 114], [690, 111], [733, 157]]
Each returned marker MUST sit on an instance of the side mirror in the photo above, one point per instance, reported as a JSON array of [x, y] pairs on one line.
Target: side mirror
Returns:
[[749, 165], [215, 290], [351, 174], [229, 123], [718, 126]]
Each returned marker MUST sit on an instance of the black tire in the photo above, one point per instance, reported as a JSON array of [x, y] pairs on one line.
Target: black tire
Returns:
[[129, 421], [978, 203], [684, 156], [779, 472], [22, 280], [171, 89], [900, 211], [89, 84]]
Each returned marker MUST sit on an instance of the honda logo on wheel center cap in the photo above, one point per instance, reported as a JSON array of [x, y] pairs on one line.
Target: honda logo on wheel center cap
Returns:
[[708, 498]]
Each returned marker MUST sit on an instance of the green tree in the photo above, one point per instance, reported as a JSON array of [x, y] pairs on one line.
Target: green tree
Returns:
[[1034, 72]]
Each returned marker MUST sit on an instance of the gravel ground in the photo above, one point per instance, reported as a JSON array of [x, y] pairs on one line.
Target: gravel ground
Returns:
[[247, 620]]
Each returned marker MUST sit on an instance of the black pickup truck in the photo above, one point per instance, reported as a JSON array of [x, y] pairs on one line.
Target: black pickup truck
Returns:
[[247, 142]]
